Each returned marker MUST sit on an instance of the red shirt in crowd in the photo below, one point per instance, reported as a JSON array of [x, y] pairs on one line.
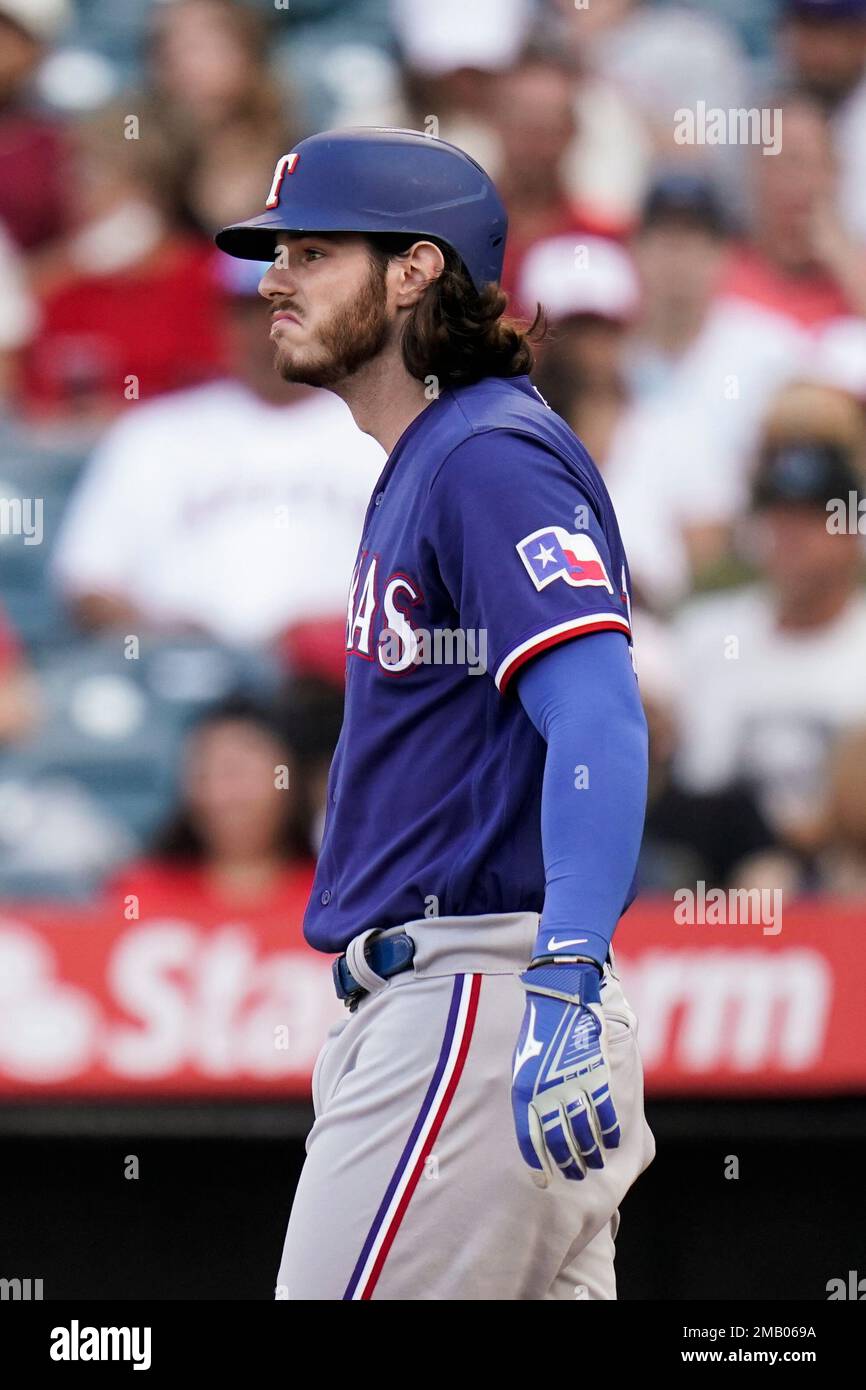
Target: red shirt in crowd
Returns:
[[159, 323], [809, 299], [187, 889], [316, 647]]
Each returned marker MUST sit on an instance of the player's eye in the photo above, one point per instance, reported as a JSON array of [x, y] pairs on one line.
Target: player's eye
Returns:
[[312, 251]]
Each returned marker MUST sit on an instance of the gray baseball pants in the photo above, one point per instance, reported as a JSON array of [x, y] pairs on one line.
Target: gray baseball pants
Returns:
[[413, 1185]]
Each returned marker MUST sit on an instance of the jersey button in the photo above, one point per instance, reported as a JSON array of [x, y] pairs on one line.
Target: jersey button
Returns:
[[325, 898], [379, 498]]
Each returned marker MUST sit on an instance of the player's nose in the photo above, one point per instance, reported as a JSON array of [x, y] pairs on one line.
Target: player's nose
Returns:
[[273, 282]]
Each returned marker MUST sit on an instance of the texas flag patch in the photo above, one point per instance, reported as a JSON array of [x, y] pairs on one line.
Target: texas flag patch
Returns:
[[554, 553]]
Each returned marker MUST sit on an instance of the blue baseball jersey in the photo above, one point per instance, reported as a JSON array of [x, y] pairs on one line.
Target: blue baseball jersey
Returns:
[[489, 538]]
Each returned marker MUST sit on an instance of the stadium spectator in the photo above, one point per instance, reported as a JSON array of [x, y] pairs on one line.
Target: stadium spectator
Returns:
[[129, 306], [239, 839], [314, 711], [719, 836], [672, 402], [640, 64], [532, 112], [680, 247], [823, 45], [701, 368], [647, 451], [233, 509], [589, 291], [691, 342], [209, 74], [32, 144], [799, 259], [776, 668]]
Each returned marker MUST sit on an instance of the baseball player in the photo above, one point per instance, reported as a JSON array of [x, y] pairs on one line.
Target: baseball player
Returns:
[[479, 1110]]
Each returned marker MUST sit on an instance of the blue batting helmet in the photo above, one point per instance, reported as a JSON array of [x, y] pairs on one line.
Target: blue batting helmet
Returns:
[[378, 179]]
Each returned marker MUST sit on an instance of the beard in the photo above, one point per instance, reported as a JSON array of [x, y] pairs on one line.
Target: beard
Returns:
[[355, 332]]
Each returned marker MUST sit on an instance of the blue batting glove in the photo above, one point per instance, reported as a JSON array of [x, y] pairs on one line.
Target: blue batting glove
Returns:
[[560, 1091]]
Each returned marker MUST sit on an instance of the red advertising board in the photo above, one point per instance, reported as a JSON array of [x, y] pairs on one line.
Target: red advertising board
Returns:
[[172, 1004], [746, 1009], [200, 1004]]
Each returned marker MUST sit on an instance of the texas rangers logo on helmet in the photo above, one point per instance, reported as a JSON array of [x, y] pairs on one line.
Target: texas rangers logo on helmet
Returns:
[[554, 553], [286, 164]]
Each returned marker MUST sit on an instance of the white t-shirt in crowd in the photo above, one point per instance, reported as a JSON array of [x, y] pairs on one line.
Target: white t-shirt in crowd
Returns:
[[215, 508], [682, 455], [667, 471], [764, 705], [741, 357]]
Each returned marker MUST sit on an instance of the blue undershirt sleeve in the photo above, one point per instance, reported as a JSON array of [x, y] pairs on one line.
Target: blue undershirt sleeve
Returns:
[[582, 697]]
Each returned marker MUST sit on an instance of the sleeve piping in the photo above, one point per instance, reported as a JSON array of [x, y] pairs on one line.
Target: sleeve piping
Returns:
[[551, 637]]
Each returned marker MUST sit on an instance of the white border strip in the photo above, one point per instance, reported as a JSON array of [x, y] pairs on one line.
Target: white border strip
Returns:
[[409, 1167], [561, 629]]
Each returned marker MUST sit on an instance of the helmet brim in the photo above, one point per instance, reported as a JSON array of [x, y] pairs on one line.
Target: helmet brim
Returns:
[[256, 238]]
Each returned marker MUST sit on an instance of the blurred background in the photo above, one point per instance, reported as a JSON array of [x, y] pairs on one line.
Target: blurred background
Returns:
[[686, 187]]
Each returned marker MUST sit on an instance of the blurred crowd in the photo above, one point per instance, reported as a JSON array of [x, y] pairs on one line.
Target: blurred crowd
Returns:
[[686, 187]]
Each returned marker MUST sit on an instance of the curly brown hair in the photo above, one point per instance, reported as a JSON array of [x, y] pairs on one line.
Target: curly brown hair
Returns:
[[455, 333]]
